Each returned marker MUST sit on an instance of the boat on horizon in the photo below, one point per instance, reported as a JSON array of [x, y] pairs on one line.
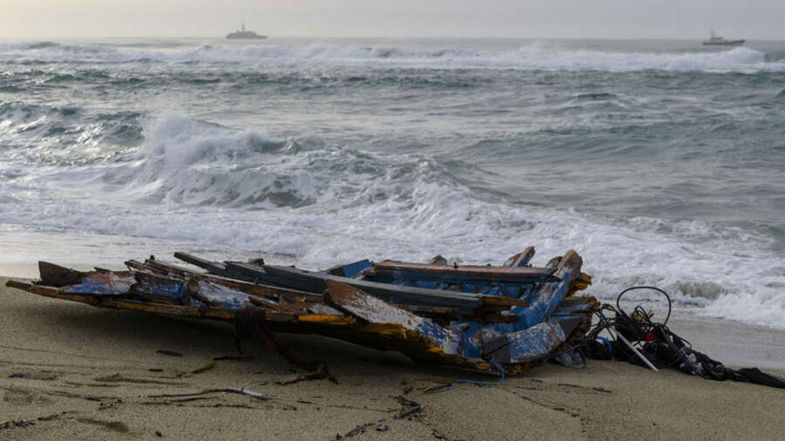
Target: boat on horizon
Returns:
[[244, 34], [716, 40]]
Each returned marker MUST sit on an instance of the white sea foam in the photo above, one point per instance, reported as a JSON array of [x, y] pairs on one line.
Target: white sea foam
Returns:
[[530, 57], [241, 190]]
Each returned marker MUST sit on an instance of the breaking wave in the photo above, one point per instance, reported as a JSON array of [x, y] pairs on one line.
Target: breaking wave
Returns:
[[532, 57], [185, 161], [39, 134], [243, 190]]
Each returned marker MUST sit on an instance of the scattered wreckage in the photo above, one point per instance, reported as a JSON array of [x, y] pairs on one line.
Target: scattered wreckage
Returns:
[[486, 318]]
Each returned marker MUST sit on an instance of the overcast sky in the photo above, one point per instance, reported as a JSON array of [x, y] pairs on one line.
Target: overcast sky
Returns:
[[751, 19]]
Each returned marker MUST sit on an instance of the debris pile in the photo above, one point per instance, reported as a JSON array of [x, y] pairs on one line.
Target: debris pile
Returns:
[[637, 338], [488, 318]]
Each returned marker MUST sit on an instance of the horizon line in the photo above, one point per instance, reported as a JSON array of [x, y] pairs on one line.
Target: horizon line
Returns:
[[430, 37]]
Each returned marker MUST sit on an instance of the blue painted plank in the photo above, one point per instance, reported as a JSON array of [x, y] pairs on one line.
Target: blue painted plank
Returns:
[[103, 283]]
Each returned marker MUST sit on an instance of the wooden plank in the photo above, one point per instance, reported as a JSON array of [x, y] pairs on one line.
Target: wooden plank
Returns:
[[534, 343], [133, 265], [161, 289], [255, 274], [266, 291], [502, 302], [370, 309], [50, 291], [404, 295], [167, 269], [350, 269], [117, 283], [466, 304], [437, 310], [57, 276], [213, 293], [463, 273], [438, 260], [217, 295], [141, 306], [213, 267], [252, 289], [314, 282], [521, 259]]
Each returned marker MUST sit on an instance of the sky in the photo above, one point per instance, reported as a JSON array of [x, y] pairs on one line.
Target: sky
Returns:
[[751, 19]]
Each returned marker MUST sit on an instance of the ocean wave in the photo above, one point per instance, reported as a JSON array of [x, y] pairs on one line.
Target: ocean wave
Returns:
[[245, 191], [532, 57], [39, 134], [27, 45], [186, 161]]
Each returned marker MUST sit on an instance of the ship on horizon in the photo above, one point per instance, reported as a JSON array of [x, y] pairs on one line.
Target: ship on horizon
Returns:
[[244, 34], [717, 40]]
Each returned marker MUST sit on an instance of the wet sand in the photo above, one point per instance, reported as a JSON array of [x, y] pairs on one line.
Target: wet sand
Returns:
[[71, 371]]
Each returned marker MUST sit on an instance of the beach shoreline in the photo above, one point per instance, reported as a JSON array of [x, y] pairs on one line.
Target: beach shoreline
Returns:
[[74, 371]]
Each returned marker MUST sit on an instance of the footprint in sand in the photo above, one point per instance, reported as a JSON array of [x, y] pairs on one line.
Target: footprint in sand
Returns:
[[21, 397], [114, 426]]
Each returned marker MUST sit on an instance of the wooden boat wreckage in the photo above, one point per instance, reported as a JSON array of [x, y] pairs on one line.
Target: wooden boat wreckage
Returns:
[[485, 318]]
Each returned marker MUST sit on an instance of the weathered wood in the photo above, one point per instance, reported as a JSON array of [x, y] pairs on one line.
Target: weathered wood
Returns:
[[257, 274], [53, 292], [114, 283], [554, 262], [314, 282], [463, 273], [213, 293], [370, 309], [438, 260], [521, 259], [161, 289], [57, 276], [213, 267], [549, 296], [438, 310], [114, 302], [533, 343], [376, 323], [166, 269], [405, 295], [458, 328], [90, 282], [501, 302], [133, 265], [350, 269], [276, 293], [217, 295], [142, 306]]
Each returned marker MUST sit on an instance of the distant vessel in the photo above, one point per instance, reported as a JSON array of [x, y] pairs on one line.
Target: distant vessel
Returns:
[[716, 40], [242, 34]]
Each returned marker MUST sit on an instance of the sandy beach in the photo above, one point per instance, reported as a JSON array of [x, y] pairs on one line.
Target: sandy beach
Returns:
[[71, 371]]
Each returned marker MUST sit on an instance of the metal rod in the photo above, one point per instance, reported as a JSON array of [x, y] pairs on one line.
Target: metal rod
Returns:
[[641, 356]]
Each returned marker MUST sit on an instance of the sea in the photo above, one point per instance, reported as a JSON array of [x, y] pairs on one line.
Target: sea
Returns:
[[661, 162]]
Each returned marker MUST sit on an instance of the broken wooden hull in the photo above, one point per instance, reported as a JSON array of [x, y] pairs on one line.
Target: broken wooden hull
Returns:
[[483, 329]]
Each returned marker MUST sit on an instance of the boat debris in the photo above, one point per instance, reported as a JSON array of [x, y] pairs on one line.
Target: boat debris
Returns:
[[232, 390], [637, 338], [204, 368], [487, 318]]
